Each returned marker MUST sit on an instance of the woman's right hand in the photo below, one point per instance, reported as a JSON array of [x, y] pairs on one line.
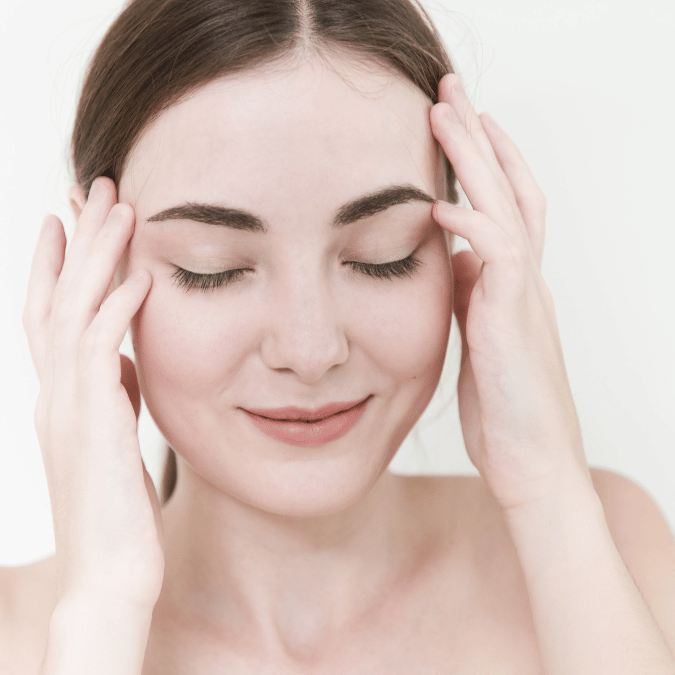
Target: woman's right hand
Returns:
[[107, 518]]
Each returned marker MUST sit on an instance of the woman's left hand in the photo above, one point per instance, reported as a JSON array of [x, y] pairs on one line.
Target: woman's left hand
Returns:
[[518, 417]]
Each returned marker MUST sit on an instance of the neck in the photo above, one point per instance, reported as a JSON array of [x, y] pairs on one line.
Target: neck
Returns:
[[283, 583]]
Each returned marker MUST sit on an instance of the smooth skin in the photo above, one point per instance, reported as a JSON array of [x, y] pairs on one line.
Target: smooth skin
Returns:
[[270, 559]]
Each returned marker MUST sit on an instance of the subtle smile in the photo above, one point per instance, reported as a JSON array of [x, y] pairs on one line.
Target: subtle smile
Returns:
[[297, 426]]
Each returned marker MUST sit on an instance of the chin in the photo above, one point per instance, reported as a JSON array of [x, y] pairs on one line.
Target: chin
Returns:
[[296, 483], [226, 459], [315, 491]]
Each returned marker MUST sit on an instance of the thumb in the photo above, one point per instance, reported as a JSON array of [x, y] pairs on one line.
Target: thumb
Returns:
[[130, 383]]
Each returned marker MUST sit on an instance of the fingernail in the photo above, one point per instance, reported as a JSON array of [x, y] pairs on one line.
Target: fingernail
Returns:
[[43, 228], [140, 277], [95, 189], [490, 119], [442, 207], [92, 192], [451, 114]]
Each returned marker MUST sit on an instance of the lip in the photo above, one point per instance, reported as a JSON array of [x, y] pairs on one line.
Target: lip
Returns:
[[302, 426], [292, 413]]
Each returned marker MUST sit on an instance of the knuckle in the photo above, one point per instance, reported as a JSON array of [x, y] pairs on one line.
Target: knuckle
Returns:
[[90, 346], [63, 308], [61, 333], [95, 347], [513, 253], [60, 329], [59, 345]]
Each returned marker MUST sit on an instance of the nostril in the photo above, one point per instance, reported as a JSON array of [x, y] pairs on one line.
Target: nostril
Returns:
[[307, 351]]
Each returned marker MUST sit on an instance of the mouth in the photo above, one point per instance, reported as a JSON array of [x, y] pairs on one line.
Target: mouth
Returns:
[[295, 414], [301, 426]]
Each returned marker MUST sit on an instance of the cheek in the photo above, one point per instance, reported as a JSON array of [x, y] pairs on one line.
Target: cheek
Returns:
[[192, 348], [188, 344], [405, 325]]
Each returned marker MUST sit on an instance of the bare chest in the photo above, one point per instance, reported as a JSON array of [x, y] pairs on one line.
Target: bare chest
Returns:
[[458, 627]]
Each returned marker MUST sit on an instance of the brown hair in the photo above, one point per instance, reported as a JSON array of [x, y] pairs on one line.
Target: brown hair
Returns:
[[158, 51]]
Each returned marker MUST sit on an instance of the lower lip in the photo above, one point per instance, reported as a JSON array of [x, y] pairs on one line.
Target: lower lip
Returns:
[[310, 433]]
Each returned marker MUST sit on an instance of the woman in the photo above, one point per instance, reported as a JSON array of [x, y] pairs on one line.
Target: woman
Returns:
[[265, 192]]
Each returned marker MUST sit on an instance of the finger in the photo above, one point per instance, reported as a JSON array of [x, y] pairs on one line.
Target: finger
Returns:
[[507, 258], [99, 347], [102, 198], [475, 175], [451, 91], [488, 241], [77, 306], [44, 275], [529, 196]]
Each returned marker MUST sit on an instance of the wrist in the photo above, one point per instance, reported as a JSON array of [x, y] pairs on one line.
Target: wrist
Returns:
[[90, 633], [99, 604], [567, 494], [79, 584], [565, 529]]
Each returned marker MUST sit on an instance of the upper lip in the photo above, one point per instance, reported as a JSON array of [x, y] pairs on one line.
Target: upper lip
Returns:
[[293, 413]]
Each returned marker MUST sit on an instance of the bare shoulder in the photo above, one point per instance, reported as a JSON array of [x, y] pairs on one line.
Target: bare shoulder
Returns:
[[480, 589], [645, 541], [640, 530], [27, 598]]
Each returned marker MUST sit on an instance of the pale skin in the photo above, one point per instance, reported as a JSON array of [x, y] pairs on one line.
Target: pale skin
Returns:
[[276, 559]]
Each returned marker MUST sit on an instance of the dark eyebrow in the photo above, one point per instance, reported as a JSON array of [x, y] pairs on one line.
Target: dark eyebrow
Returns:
[[211, 214], [379, 201], [238, 219]]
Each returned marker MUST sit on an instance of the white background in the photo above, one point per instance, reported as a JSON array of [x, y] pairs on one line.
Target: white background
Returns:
[[586, 90]]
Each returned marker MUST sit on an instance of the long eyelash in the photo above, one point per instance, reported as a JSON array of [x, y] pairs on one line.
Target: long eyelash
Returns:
[[205, 282], [397, 268]]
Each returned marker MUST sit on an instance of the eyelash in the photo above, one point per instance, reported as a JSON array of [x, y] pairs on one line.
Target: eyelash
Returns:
[[205, 282], [390, 270]]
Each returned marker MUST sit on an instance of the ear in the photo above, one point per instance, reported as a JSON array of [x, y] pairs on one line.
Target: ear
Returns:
[[77, 199]]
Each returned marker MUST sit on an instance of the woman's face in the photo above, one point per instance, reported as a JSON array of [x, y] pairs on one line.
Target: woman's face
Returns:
[[275, 157]]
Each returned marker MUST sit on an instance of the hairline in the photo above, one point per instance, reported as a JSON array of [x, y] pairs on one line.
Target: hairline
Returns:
[[330, 53]]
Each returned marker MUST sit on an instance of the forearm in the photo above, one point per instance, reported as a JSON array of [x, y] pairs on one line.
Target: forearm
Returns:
[[589, 616], [88, 636]]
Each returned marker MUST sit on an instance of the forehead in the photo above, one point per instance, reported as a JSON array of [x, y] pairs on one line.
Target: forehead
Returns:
[[317, 131]]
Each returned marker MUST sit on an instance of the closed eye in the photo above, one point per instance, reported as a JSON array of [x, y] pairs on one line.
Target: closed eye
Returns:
[[390, 270], [205, 282]]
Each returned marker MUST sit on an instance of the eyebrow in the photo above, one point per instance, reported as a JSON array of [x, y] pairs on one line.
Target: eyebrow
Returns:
[[239, 219]]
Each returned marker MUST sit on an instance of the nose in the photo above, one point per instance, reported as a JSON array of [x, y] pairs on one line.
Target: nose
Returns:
[[305, 331]]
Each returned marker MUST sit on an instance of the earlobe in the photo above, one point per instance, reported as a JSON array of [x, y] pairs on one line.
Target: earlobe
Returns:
[[77, 199]]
